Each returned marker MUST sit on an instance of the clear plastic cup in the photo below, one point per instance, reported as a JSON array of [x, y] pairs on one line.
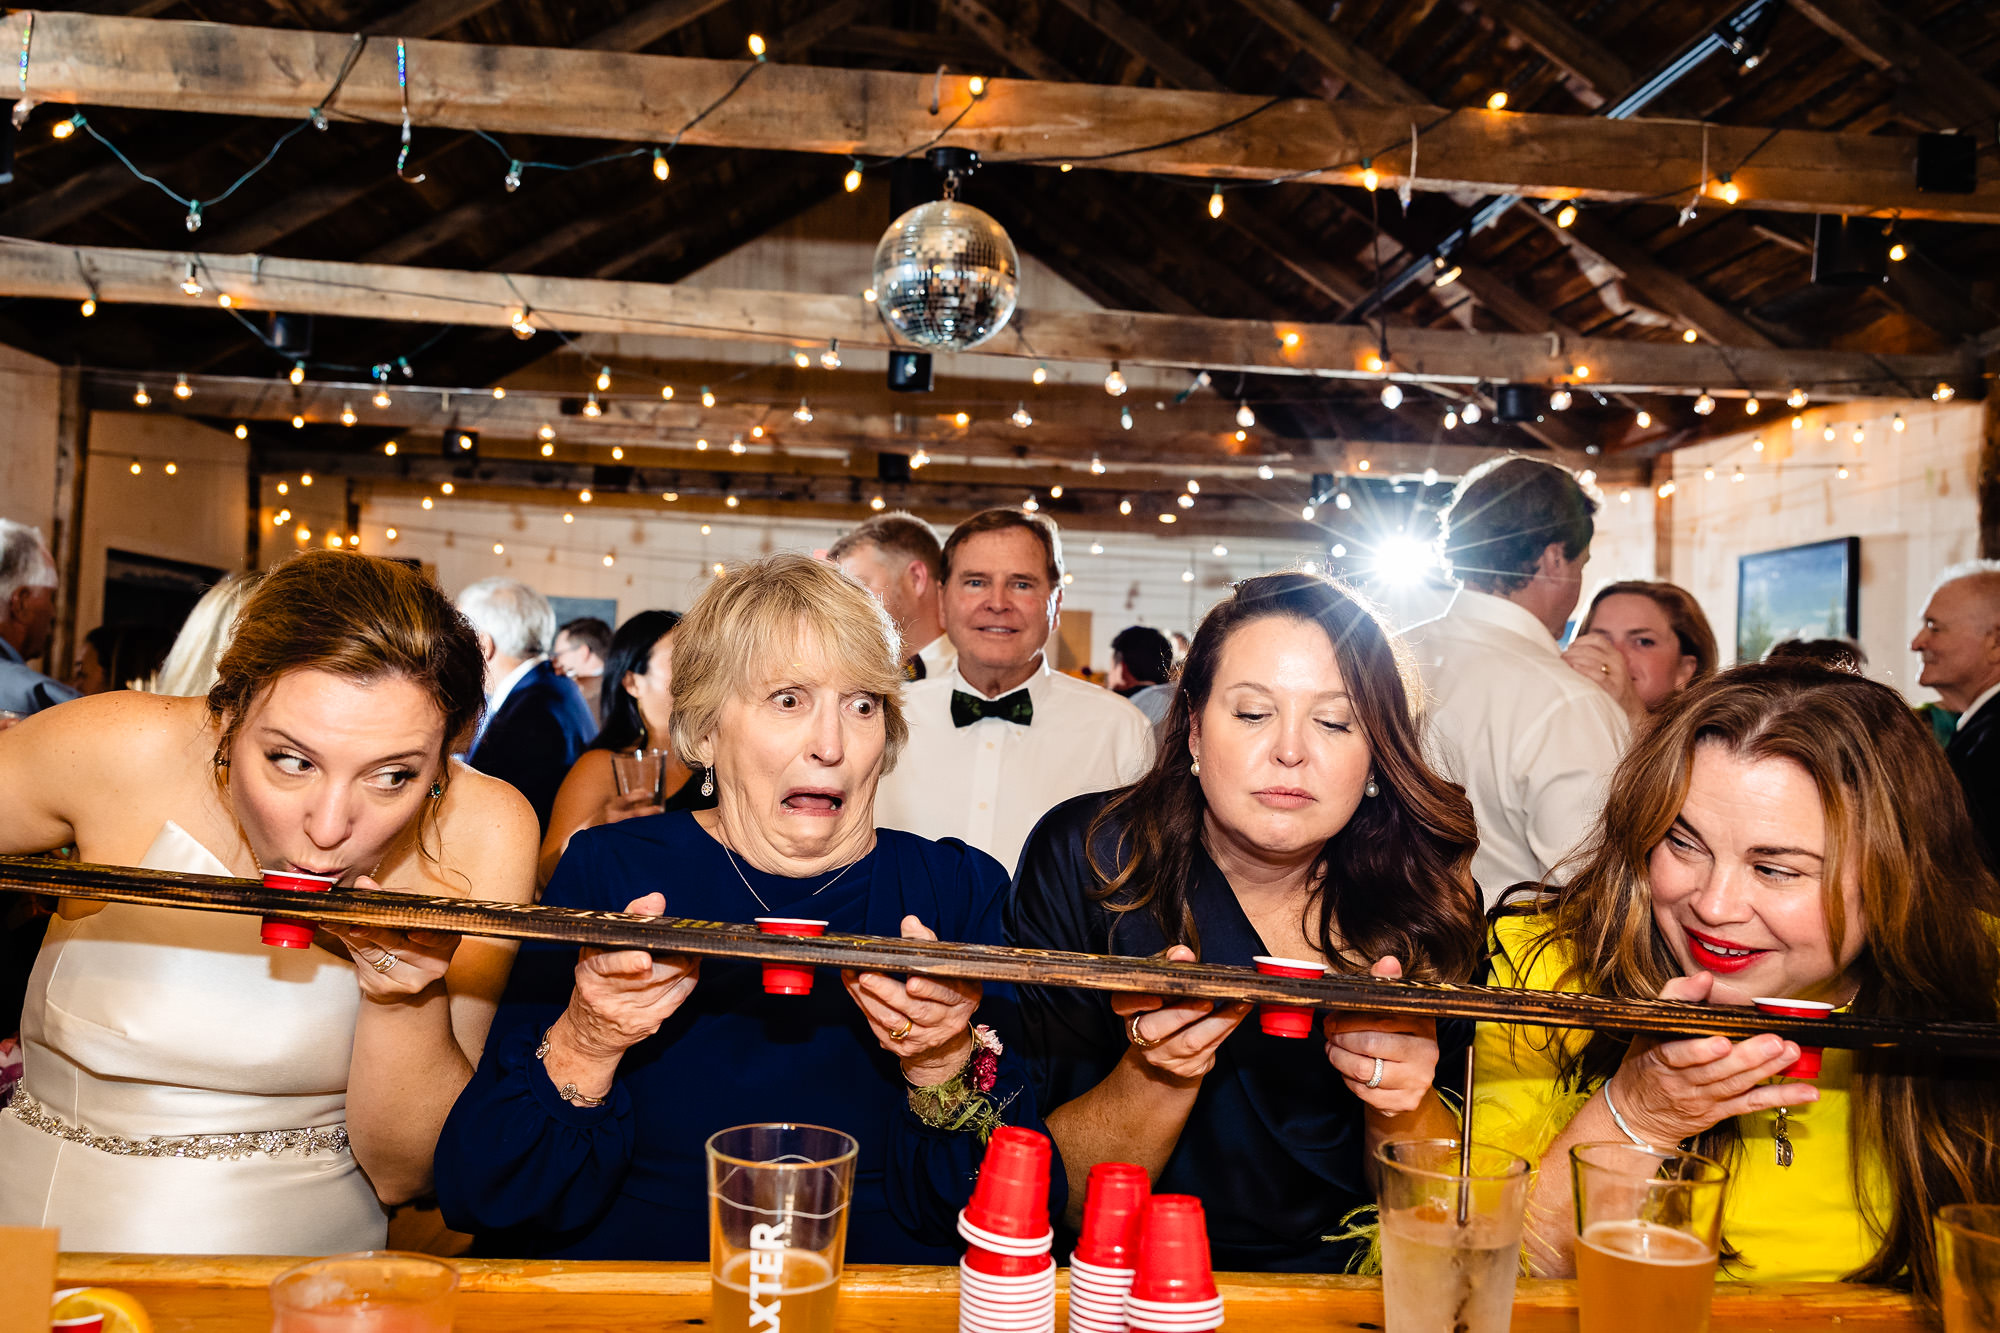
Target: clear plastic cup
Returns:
[[1968, 1252], [1439, 1272], [375, 1291], [1649, 1227], [641, 771], [777, 1226]]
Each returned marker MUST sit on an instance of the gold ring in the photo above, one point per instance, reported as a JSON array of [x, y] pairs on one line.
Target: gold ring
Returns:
[[385, 962], [1132, 1030], [904, 1030]]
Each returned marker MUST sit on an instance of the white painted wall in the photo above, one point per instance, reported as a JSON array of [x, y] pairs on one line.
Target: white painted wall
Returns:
[[29, 403], [1910, 496]]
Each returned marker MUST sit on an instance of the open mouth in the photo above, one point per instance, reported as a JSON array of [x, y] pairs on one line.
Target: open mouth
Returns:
[[1714, 955], [814, 801]]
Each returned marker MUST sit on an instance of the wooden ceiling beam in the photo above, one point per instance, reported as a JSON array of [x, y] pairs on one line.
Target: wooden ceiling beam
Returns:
[[583, 305], [1346, 61], [648, 24], [232, 70], [1138, 38], [1594, 73], [427, 18], [1002, 37], [1936, 81]]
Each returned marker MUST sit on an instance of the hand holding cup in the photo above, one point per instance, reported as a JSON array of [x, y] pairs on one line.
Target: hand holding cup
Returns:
[[622, 996], [1176, 1041]]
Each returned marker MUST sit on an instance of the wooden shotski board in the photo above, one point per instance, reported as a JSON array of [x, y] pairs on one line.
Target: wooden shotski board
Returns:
[[981, 962]]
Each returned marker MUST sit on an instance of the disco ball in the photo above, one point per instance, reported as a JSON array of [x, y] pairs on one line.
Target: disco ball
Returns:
[[946, 275]]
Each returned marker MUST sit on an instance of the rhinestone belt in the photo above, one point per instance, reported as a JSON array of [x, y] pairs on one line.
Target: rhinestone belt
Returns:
[[302, 1141]]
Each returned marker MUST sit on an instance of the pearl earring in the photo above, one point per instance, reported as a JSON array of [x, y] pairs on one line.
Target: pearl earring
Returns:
[[1194, 769], [708, 782], [1370, 789]]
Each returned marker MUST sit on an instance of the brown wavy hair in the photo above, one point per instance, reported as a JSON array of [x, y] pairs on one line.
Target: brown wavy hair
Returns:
[[1896, 822], [1396, 880], [357, 616]]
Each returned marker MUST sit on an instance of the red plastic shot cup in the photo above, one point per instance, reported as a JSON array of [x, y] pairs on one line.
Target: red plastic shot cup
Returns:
[[282, 932], [1287, 1020], [1807, 1065], [1173, 1266], [785, 978], [1007, 1221], [1112, 1206]]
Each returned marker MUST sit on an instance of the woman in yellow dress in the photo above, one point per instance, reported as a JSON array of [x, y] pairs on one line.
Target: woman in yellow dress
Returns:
[[1782, 830]]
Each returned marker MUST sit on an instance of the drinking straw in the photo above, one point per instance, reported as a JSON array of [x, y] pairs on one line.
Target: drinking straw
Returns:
[[1465, 1144]]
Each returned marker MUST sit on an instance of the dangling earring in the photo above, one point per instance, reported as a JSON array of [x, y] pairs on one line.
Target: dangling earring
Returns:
[[1369, 788], [1194, 769], [708, 782]]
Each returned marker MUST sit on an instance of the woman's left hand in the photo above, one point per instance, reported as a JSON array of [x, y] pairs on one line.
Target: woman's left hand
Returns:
[[421, 957], [1406, 1047], [924, 1021]]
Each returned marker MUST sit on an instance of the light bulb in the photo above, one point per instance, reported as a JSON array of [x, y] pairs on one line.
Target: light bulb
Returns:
[[390, 533], [1708, 474], [877, 503], [731, 501], [226, 301], [590, 407], [660, 167], [1625, 496], [701, 446], [1193, 487], [1241, 436], [428, 502], [523, 327], [1096, 466], [920, 458], [1430, 476], [801, 360], [446, 488], [1498, 101], [1737, 475], [617, 453], [1688, 335], [1187, 576], [1031, 504], [1125, 417], [1751, 407], [304, 533], [1827, 434], [190, 283], [1097, 548], [1184, 500], [757, 48], [298, 373], [603, 378], [976, 86], [868, 295], [1343, 501], [62, 129], [1704, 404], [136, 469], [1114, 383], [736, 446], [1339, 551], [347, 417], [389, 449], [1944, 393], [1450, 419], [1798, 423], [1056, 491], [1041, 375], [1306, 512], [1392, 396], [707, 398], [802, 413], [242, 430], [1215, 202], [1471, 414], [1841, 472], [1898, 252], [756, 432], [1860, 435], [89, 306], [830, 358], [666, 393], [1449, 276], [546, 432], [1565, 215], [1021, 417], [1727, 192], [1897, 423], [141, 397], [284, 488], [1757, 445], [961, 420], [1796, 399], [1666, 488], [499, 391], [852, 180], [1644, 419], [499, 549], [1125, 507], [1369, 180], [1373, 364], [1244, 416], [670, 496], [1169, 518]]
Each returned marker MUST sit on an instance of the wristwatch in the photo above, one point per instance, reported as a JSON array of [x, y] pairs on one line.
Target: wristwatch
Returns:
[[567, 1091]]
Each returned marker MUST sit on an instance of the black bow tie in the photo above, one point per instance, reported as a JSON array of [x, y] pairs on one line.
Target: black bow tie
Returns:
[[967, 709]]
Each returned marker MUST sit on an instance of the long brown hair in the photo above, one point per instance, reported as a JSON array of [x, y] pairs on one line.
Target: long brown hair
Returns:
[[1896, 822], [356, 616], [1684, 617], [1396, 880]]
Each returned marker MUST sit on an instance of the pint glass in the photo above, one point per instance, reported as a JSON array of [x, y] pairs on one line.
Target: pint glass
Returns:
[[1451, 1242], [777, 1226], [1649, 1228]]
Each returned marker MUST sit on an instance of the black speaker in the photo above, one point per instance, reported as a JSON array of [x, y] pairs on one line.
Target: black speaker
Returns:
[[910, 372], [1519, 402], [892, 467], [1947, 163], [1850, 252], [461, 443], [289, 335]]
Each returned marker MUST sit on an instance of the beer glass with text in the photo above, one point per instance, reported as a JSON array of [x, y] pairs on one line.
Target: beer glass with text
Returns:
[[777, 1226], [1649, 1228]]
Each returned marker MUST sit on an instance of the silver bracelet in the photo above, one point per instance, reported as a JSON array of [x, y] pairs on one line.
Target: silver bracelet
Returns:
[[1619, 1120]]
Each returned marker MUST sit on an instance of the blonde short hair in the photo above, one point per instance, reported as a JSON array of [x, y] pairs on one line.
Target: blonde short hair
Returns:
[[758, 615], [189, 668]]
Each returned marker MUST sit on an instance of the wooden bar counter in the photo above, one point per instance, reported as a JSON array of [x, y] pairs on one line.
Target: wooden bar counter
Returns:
[[228, 1294]]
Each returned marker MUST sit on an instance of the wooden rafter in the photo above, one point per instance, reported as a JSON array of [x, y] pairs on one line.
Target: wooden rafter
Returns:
[[1596, 75], [222, 69], [1954, 96], [578, 305], [1345, 60]]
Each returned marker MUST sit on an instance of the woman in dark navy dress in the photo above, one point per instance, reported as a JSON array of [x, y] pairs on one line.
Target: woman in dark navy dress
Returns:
[[581, 1134], [1290, 813]]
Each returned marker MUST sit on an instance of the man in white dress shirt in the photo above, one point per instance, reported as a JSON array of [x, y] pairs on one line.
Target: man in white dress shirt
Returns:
[[1000, 738], [896, 556], [1532, 737]]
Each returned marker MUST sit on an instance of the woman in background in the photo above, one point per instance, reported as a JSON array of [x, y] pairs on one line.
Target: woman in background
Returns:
[[189, 668], [637, 704], [1661, 640]]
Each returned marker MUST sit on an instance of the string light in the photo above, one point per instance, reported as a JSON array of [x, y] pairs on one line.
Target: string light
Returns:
[[802, 414], [1184, 500], [731, 501], [1343, 501], [877, 503], [282, 516], [135, 468], [381, 398], [226, 301], [1726, 189], [1751, 407], [868, 295], [1290, 340], [660, 168], [141, 397], [757, 49], [1841, 472], [707, 398], [830, 358], [242, 430], [976, 86], [590, 407], [1451, 419], [1827, 434], [499, 391], [1096, 466], [1580, 372], [604, 379], [1798, 423], [1392, 396], [389, 449], [609, 560], [1560, 399], [1796, 399], [1644, 420], [1114, 383], [1704, 404], [1666, 489], [1497, 101], [499, 549], [1689, 335], [182, 389], [666, 393], [1944, 393], [518, 321], [1708, 473], [1897, 424], [1169, 518], [189, 282], [1125, 508], [920, 458], [89, 306], [1898, 252], [428, 502], [1041, 375], [1362, 466], [304, 533], [62, 129], [1241, 436], [1307, 512], [1737, 475], [1860, 435], [1369, 179], [1471, 414], [756, 432], [1374, 364], [390, 533], [1031, 504], [347, 417], [1021, 417], [617, 453], [670, 496], [1218, 550], [801, 360], [1193, 486], [1215, 202], [852, 180], [548, 450], [701, 446], [1187, 576], [736, 446], [284, 489], [1244, 416], [1566, 215], [1125, 418], [446, 488], [1757, 445], [1056, 491]]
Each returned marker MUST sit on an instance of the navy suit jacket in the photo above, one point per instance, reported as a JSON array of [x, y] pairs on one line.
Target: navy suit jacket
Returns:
[[1975, 757], [541, 728]]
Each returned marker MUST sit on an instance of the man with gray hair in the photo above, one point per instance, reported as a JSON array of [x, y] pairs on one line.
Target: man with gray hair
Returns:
[[536, 722], [1960, 644], [27, 606]]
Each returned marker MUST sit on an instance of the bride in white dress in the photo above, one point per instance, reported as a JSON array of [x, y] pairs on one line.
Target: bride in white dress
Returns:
[[188, 1089]]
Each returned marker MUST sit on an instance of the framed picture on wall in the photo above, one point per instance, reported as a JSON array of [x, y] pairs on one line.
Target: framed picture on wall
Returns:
[[1797, 592]]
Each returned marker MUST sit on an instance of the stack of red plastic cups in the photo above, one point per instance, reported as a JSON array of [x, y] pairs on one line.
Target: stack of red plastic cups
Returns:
[[1173, 1290], [1100, 1271], [1007, 1282]]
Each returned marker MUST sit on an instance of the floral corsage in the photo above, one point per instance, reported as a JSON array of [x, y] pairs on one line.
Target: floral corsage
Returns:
[[964, 1103]]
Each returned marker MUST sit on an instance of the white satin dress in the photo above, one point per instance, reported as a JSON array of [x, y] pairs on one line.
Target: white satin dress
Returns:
[[147, 1023]]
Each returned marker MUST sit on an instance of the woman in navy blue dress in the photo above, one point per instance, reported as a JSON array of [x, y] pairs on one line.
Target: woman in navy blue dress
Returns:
[[1290, 813], [581, 1134]]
